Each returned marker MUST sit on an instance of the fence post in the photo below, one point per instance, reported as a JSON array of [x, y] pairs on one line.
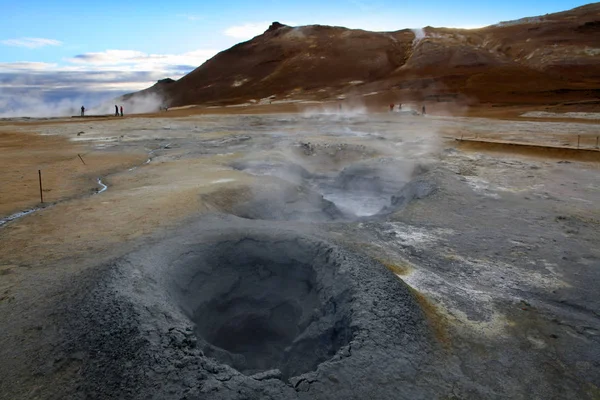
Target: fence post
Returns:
[[41, 193]]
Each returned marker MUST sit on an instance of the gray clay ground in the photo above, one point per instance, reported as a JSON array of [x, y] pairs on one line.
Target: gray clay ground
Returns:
[[283, 294]]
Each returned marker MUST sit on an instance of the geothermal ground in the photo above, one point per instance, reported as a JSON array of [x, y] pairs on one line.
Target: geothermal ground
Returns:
[[313, 256]]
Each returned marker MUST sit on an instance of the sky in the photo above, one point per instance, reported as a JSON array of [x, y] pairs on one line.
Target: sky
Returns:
[[56, 55]]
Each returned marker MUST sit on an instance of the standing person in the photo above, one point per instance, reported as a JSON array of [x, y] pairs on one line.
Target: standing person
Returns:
[[121, 111], [116, 110], [391, 107], [82, 110], [423, 110]]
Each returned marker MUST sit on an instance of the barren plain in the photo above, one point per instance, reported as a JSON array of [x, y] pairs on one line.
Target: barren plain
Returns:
[[319, 254]]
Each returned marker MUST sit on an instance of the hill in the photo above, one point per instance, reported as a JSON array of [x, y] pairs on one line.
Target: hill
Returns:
[[536, 60]]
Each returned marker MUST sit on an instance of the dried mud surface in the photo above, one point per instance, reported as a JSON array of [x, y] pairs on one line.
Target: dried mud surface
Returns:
[[313, 255]]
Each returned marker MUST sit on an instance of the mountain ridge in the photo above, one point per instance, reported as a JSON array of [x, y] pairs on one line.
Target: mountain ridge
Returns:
[[533, 60]]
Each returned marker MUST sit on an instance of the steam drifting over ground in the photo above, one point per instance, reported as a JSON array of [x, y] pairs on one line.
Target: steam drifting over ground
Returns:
[[39, 104], [134, 105], [42, 105]]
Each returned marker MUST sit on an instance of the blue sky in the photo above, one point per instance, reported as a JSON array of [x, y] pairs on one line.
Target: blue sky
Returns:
[[70, 51]]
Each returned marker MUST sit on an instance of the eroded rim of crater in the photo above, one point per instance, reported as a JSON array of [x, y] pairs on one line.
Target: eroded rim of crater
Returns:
[[188, 306]]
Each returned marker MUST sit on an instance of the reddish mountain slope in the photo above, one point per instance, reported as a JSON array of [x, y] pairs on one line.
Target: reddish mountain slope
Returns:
[[547, 59]]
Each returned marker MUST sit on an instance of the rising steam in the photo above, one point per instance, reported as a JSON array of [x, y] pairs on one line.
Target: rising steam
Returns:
[[137, 104], [36, 105], [420, 34]]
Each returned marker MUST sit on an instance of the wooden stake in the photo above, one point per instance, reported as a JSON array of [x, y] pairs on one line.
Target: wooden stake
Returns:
[[41, 193], [81, 159]]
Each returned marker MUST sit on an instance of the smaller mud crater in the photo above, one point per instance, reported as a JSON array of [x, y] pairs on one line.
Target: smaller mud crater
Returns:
[[361, 190]]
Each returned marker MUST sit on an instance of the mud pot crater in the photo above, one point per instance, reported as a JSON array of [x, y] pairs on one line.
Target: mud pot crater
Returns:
[[259, 306], [250, 307]]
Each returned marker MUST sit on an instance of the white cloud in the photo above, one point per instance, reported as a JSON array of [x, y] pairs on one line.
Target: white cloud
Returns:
[[118, 71], [62, 90], [25, 66], [137, 60], [31, 43], [247, 31], [45, 89], [108, 57], [191, 17]]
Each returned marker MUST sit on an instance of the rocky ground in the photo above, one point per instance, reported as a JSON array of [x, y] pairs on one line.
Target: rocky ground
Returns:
[[315, 255]]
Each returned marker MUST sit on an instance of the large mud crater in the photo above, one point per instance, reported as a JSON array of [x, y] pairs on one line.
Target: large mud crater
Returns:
[[212, 312], [260, 305]]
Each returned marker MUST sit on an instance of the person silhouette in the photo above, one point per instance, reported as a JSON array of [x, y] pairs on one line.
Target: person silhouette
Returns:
[[82, 110], [121, 111], [116, 110]]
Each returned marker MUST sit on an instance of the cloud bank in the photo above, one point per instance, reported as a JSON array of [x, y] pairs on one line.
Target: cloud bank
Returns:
[[38, 89], [31, 43]]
